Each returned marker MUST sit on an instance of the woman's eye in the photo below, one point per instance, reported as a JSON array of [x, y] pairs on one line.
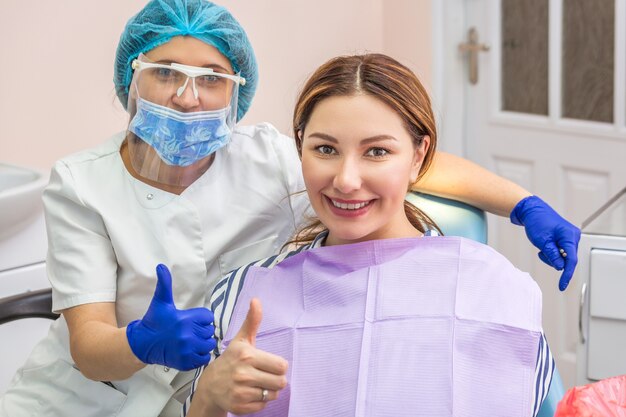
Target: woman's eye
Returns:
[[164, 72], [325, 150], [377, 152], [209, 79]]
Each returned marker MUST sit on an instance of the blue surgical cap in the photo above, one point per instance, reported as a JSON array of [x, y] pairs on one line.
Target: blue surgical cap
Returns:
[[161, 20]]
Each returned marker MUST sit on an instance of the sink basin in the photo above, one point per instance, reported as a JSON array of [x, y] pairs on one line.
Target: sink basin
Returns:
[[20, 197]]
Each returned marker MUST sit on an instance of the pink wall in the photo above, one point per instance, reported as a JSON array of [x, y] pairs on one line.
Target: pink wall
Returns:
[[56, 90], [407, 35]]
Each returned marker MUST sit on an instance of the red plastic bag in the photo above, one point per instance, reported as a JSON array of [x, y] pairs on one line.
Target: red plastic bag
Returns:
[[606, 398]]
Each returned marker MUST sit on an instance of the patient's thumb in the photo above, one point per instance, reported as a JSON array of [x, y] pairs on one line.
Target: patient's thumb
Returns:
[[250, 325]]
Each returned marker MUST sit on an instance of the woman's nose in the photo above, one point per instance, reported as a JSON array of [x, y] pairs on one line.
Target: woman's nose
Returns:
[[185, 96], [347, 178]]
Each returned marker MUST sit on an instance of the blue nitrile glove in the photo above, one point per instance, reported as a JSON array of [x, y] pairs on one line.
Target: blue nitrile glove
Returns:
[[549, 232], [179, 339]]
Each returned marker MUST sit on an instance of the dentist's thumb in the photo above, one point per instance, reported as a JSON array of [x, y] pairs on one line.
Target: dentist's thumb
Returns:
[[163, 290], [250, 326]]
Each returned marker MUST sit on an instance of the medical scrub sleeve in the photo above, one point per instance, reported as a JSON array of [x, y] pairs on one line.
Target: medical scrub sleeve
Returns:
[[289, 160], [77, 242]]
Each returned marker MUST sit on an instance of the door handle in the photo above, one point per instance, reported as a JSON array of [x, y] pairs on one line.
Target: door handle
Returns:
[[472, 47]]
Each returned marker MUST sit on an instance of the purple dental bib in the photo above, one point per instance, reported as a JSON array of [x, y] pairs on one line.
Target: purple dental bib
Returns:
[[433, 326]]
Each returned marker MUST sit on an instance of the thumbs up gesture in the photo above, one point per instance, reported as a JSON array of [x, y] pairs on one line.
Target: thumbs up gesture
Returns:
[[180, 339], [243, 379], [250, 326]]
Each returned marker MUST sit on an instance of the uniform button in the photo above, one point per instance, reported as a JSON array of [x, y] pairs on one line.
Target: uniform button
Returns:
[[150, 196], [166, 369]]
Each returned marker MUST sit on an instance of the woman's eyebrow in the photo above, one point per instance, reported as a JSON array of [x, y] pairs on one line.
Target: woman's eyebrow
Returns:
[[323, 136], [217, 67], [377, 138], [365, 141], [212, 66]]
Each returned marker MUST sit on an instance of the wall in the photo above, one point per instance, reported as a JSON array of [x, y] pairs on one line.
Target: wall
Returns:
[[408, 35], [56, 90]]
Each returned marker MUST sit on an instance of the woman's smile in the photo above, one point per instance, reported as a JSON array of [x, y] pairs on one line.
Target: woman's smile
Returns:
[[349, 208]]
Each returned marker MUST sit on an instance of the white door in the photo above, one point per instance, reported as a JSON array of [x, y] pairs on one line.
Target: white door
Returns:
[[548, 112]]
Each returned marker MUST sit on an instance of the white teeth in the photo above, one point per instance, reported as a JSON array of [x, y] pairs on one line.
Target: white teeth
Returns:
[[346, 206]]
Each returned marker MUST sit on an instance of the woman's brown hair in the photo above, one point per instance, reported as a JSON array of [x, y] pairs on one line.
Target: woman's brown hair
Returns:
[[381, 77]]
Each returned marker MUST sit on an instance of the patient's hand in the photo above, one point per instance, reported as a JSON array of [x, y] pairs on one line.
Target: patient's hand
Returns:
[[236, 381]]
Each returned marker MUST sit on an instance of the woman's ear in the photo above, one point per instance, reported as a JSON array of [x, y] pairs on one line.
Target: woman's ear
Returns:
[[299, 142], [418, 158], [132, 94]]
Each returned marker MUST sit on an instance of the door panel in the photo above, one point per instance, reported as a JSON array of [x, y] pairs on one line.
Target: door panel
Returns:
[[548, 113]]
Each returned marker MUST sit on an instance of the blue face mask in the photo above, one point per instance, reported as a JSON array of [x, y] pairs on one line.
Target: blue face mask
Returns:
[[180, 138]]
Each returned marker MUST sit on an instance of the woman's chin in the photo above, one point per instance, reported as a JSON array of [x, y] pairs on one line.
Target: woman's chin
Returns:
[[343, 236]]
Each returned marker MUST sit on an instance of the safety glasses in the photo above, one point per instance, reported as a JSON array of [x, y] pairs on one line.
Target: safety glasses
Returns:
[[177, 76]]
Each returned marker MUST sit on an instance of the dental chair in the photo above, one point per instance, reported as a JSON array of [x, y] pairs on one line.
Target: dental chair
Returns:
[[453, 217], [33, 304]]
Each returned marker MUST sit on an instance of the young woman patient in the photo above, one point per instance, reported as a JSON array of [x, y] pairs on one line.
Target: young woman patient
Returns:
[[374, 313]]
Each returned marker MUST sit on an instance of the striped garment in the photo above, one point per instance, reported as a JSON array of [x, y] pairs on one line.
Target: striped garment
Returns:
[[227, 290]]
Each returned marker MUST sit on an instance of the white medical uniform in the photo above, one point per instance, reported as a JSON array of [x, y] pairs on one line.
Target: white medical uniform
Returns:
[[107, 232]]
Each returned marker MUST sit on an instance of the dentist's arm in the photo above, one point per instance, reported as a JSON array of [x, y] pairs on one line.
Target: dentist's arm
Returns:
[[99, 348], [180, 339], [460, 179]]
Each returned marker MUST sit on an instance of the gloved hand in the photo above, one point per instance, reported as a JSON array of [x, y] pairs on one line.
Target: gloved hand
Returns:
[[549, 232], [179, 339]]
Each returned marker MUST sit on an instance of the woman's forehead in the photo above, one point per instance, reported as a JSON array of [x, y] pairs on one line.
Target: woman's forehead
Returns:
[[188, 50], [359, 115]]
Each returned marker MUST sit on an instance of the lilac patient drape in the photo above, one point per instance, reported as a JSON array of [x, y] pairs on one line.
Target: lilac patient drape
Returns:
[[432, 326]]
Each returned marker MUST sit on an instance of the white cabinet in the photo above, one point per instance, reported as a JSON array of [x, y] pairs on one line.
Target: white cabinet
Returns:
[[22, 269], [607, 314], [601, 349]]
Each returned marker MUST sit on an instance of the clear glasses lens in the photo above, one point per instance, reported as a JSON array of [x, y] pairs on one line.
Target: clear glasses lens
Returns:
[[171, 81]]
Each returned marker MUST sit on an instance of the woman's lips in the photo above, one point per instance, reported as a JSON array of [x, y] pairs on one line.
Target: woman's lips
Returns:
[[348, 208]]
